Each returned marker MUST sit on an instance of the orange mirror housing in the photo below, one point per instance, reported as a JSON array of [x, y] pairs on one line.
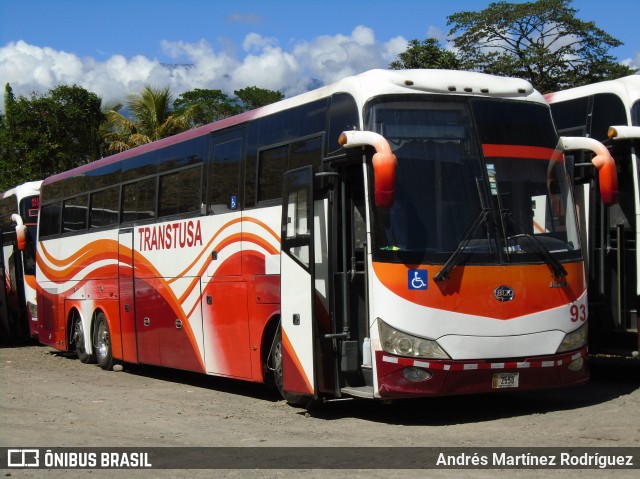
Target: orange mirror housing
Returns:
[[603, 161], [384, 163], [21, 232]]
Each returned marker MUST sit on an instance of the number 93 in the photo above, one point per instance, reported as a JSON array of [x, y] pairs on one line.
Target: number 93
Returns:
[[578, 312]]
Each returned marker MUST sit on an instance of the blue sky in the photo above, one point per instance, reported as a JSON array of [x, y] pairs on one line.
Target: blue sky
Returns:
[[115, 47]]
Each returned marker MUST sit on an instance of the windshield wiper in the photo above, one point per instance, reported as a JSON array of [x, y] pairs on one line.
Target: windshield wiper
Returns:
[[451, 262], [558, 270]]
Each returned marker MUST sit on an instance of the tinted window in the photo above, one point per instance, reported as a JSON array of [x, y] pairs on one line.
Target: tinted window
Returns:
[[635, 114], [105, 176], [344, 116], [74, 216], [7, 207], [180, 192], [271, 166], [570, 116], [104, 207], [180, 155], [608, 110], [50, 219], [75, 186], [529, 123], [137, 167], [275, 161], [306, 152], [304, 120], [225, 172], [138, 200]]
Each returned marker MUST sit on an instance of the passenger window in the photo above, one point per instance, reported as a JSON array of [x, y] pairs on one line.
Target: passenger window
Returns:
[[50, 219], [138, 200], [271, 166], [104, 207], [180, 192], [74, 216], [225, 176]]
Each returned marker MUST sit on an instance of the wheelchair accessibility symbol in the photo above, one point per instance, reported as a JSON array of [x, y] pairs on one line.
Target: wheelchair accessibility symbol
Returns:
[[417, 279]]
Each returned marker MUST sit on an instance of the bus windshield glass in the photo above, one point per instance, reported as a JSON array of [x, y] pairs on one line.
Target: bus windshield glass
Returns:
[[477, 176], [635, 114]]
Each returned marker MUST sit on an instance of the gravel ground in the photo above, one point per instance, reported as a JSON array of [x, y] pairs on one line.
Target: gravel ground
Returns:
[[48, 399]]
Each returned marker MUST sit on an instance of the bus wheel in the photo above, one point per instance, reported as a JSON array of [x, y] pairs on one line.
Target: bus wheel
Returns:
[[102, 343], [77, 340], [275, 359]]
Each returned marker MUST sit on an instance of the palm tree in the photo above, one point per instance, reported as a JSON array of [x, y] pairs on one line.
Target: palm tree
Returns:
[[152, 119]]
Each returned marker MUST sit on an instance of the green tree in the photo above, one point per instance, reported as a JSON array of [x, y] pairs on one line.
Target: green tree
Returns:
[[426, 54], [213, 105], [47, 134], [207, 106], [152, 119], [253, 97], [541, 41]]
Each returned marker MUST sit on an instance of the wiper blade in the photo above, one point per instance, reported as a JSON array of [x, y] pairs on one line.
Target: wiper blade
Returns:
[[556, 266], [451, 262]]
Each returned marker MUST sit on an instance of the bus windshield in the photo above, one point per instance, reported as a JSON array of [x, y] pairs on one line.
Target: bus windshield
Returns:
[[475, 175]]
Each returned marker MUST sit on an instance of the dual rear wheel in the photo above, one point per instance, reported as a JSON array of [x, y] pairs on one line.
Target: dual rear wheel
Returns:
[[102, 342], [102, 351]]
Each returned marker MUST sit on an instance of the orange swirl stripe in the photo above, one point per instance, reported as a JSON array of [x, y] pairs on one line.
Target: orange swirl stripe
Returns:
[[218, 233], [70, 267]]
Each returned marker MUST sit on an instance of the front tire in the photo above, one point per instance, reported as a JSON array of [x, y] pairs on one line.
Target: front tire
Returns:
[[297, 400], [102, 343]]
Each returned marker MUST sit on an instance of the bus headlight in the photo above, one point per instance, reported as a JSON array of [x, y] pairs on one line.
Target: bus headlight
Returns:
[[574, 340], [403, 344]]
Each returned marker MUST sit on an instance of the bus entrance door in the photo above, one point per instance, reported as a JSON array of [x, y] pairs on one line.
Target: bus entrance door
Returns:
[[297, 289], [4, 308]]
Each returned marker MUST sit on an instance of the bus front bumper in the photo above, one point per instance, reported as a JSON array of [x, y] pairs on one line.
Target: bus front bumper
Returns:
[[400, 377]]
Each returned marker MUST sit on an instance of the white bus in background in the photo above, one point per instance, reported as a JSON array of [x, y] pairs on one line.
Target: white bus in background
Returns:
[[608, 111], [19, 209]]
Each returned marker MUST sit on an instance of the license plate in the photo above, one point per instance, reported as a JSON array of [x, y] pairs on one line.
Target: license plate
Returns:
[[505, 380]]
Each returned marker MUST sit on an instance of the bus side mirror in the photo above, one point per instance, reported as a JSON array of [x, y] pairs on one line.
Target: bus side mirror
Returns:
[[384, 163], [603, 161], [21, 232]]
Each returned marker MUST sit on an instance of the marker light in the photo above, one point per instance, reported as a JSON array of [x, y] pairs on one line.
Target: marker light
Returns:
[[403, 344], [624, 132]]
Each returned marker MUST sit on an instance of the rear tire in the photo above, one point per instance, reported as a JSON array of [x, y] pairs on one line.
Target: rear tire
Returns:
[[102, 343], [78, 341], [293, 399]]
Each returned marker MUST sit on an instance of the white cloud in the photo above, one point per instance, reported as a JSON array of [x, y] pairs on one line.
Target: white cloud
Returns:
[[255, 42], [435, 32], [632, 62], [330, 58], [263, 63]]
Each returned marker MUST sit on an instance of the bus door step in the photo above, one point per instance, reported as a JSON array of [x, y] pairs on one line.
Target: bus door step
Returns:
[[360, 391]]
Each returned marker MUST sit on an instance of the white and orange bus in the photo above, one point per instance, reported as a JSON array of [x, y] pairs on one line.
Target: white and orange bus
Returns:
[[608, 111], [397, 234], [19, 209]]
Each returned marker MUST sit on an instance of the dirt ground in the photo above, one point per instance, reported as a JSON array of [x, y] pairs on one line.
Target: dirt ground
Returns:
[[48, 399]]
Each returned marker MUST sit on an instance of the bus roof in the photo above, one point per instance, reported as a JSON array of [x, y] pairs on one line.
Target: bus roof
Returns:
[[26, 189], [627, 88], [361, 87]]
